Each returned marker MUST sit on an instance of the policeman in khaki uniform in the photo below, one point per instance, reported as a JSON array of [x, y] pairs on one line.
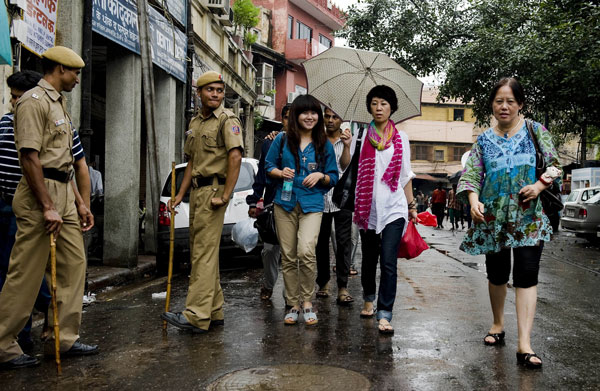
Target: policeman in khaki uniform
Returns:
[[214, 148], [45, 203]]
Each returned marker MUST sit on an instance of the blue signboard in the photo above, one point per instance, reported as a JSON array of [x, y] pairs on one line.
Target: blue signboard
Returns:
[[117, 20], [169, 45], [177, 8]]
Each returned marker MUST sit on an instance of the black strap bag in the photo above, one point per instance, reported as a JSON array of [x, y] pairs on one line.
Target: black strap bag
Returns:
[[265, 221], [265, 224], [551, 200], [345, 190]]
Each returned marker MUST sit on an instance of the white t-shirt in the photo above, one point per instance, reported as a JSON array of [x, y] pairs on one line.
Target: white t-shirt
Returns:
[[388, 206]]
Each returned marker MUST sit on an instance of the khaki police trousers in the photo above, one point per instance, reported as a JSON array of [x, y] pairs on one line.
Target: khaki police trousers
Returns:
[[30, 258], [204, 300], [298, 233]]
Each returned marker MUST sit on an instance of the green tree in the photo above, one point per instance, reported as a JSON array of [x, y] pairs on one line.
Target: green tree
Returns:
[[552, 46], [245, 16]]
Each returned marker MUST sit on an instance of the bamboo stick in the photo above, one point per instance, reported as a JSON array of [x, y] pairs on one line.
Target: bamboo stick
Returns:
[[54, 303], [171, 242]]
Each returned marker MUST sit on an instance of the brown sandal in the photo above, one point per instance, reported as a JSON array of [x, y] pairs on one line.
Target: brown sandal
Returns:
[[365, 313], [344, 298]]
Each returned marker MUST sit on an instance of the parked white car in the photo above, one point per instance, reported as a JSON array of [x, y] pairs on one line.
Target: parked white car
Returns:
[[236, 210], [581, 214]]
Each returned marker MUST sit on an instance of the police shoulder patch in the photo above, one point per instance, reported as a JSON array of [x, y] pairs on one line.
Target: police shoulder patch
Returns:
[[188, 132], [35, 96], [235, 129]]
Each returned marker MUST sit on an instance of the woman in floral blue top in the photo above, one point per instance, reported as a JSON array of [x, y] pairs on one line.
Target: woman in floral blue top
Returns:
[[500, 183]]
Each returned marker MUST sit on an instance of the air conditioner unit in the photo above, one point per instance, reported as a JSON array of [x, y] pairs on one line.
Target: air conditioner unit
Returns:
[[226, 19], [217, 6], [292, 96]]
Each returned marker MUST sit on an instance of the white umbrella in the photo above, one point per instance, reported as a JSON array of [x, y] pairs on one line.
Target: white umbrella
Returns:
[[341, 78]]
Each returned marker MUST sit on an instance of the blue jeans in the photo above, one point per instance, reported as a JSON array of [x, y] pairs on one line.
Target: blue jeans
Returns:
[[8, 231], [384, 247]]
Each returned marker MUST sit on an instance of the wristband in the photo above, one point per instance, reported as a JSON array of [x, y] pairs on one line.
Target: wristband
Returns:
[[541, 178]]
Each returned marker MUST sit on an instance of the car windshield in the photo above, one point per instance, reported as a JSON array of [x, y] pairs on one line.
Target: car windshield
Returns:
[[244, 182]]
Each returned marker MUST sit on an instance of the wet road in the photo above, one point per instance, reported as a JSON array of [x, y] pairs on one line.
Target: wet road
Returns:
[[441, 315]]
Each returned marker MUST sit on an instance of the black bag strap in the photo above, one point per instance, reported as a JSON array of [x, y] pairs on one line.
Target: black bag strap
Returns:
[[538, 153]]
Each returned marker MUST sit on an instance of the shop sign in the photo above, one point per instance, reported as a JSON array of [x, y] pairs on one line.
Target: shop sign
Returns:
[[117, 20], [37, 28], [178, 9]]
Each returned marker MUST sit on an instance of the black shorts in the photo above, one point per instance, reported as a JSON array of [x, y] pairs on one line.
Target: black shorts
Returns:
[[525, 270]]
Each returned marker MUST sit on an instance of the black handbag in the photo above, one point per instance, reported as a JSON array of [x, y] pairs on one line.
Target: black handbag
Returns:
[[344, 191], [265, 224], [551, 200]]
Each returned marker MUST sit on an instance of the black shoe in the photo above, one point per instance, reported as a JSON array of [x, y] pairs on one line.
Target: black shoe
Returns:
[[23, 361], [178, 320], [216, 322], [80, 349]]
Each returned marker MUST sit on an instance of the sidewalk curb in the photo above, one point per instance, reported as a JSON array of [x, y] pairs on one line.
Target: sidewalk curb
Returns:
[[101, 277]]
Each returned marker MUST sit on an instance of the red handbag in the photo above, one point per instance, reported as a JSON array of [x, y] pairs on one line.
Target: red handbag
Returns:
[[412, 244], [427, 219]]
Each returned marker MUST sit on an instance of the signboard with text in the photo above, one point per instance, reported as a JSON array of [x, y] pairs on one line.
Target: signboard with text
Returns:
[[177, 8], [117, 20], [37, 29]]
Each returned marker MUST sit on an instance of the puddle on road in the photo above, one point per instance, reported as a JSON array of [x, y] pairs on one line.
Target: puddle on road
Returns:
[[292, 377]]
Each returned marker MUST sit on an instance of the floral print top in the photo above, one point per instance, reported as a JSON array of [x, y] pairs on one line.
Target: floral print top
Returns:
[[496, 170]]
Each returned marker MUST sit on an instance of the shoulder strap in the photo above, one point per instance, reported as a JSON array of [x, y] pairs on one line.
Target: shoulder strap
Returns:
[[283, 138], [529, 125]]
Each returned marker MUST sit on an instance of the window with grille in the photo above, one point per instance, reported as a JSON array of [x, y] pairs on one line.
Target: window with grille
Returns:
[[422, 152], [438, 155], [303, 31], [457, 153]]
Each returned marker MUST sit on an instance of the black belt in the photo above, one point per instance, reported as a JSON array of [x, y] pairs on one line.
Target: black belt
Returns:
[[57, 175], [201, 181]]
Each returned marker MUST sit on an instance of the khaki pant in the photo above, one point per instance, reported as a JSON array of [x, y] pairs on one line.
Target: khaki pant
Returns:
[[30, 258], [298, 233], [205, 298]]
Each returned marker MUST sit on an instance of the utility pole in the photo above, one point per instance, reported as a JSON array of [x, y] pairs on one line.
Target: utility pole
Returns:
[[189, 112], [148, 90], [85, 130]]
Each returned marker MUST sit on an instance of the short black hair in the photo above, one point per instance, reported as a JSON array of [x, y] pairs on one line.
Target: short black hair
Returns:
[[285, 110], [383, 92], [48, 65], [23, 80], [515, 86]]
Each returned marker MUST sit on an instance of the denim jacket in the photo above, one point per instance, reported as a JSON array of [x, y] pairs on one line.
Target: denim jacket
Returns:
[[310, 200]]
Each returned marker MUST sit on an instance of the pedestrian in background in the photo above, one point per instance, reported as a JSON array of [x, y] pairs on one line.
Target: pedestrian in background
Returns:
[[421, 202], [384, 202], [438, 204], [454, 208], [303, 155], [271, 253], [341, 217], [502, 188], [214, 149], [45, 203]]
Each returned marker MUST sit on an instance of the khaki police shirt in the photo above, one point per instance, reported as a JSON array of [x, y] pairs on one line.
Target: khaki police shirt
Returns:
[[208, 143], [43, 124]]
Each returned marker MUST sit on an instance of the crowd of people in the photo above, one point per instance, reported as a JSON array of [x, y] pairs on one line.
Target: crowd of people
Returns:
[[298, 170]]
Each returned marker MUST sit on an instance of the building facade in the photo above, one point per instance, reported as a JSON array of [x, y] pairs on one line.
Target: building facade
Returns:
[[108, 107]]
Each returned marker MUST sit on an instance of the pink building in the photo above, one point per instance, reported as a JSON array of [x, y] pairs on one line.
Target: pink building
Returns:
[[300, 29]]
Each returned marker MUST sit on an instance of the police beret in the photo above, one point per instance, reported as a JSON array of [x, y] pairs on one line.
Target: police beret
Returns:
[[64, 56], [209, 77]]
